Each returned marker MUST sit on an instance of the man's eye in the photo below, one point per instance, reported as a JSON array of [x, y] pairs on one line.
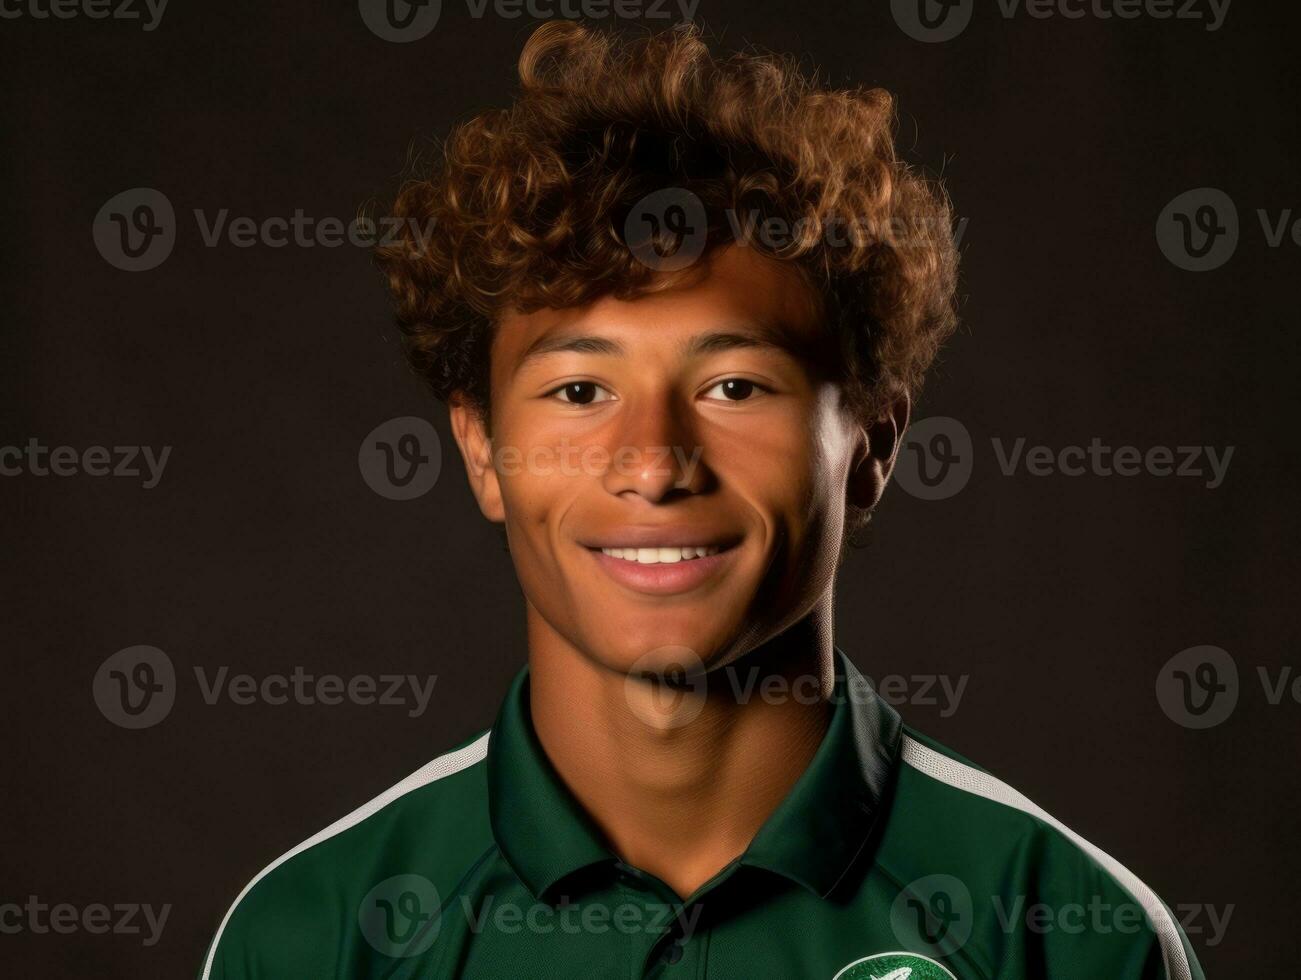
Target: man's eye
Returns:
[[581, 393], [733, 390]]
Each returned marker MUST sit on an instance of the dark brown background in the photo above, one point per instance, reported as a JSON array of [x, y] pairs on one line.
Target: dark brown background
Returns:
[[262, 548]]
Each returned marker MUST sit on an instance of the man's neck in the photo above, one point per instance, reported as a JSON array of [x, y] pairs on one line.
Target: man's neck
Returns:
[[683, 802]]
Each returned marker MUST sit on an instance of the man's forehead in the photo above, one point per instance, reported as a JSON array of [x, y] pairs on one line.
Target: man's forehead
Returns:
[[742, 294]]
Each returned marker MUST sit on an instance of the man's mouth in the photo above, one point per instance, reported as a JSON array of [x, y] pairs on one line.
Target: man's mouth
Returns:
[[662, 556], [637, 561]]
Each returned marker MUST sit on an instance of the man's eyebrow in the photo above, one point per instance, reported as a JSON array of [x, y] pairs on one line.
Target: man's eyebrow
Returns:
[[760, 336], [582, 344]]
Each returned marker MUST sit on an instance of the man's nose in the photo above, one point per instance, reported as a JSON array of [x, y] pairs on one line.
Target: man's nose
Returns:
[[658, 455]]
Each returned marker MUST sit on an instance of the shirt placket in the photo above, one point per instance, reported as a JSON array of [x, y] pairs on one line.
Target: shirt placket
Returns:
[[669, 942]]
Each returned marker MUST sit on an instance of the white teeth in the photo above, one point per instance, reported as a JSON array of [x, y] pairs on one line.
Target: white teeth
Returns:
[[661, 556]]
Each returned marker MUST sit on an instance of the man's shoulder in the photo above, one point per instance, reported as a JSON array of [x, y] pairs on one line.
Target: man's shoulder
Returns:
[[417, 840], [1031, 888], [973, 821]]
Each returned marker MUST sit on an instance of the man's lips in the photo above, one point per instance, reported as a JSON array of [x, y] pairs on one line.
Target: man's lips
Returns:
[[664, 577], [663, 560]]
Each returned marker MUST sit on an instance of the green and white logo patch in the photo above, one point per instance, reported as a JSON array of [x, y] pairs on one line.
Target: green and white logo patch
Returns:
[[894, 966]]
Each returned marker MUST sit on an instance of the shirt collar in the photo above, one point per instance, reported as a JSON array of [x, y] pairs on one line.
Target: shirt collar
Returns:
[[541, 829], [812, 838], [825, 821]]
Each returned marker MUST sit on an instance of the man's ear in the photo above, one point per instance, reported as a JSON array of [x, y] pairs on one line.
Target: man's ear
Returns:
[[471, 434], [874, 461]]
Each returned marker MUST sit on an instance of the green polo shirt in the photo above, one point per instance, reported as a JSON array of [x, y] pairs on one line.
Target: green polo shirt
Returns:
[[891, 859]]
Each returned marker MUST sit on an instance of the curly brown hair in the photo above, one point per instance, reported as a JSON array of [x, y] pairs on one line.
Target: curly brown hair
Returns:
[[529, 205]]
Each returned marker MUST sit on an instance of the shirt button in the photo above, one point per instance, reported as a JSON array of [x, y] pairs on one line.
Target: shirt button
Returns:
[[672, 953]]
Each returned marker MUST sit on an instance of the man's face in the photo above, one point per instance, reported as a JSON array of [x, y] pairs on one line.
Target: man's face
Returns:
[[671, 470]]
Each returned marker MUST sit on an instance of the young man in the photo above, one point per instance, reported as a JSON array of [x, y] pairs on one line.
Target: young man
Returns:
[[679, 306]]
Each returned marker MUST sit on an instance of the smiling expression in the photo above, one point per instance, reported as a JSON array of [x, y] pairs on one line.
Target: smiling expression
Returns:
[[672, 471]]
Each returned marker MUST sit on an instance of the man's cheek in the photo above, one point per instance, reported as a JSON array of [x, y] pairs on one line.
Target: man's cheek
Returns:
[[508, 460], [777, 483]]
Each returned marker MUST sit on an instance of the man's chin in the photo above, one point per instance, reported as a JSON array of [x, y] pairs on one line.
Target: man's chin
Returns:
[[665, 651]]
